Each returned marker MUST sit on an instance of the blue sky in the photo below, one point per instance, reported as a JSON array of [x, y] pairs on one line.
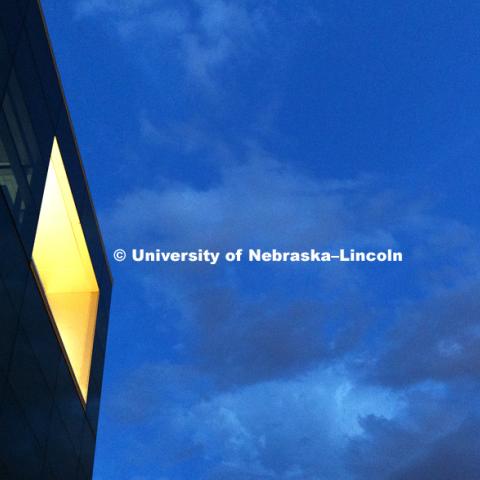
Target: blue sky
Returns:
[[293, 125]]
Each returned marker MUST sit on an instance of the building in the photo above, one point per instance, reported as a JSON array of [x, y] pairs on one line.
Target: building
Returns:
[[55, 283]]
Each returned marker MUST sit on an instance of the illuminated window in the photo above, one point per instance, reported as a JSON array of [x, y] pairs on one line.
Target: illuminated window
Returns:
[[65, 271]]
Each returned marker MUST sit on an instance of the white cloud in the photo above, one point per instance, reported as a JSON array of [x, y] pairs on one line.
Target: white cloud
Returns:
[[261, 202]]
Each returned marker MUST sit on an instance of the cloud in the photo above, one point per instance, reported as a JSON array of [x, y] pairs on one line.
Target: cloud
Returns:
[[271, 430], [322, 424], [454, 455], [434, 437], [441, 336], [240, 341], [279, 206]]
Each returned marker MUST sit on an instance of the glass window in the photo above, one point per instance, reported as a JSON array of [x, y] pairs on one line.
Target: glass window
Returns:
[[21, 128], [65, 272], [12, 177]]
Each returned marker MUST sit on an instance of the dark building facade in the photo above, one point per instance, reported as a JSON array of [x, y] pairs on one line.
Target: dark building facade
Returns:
[[55, 283]]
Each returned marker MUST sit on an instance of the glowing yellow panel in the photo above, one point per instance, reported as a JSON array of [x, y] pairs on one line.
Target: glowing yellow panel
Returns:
[[65, 270]]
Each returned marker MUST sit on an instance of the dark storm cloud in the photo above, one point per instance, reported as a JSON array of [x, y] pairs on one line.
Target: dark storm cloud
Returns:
[[431, 358], [436, 437], [241, 340], [436, 340], [455, 455]]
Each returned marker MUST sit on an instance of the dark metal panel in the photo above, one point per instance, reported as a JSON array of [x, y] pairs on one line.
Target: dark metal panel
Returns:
[[87, 451], [30, 388], [71, 162], [19, 451], [69, 405], [36, 102], [5, 62], [9, 323], [36, 323], [13, 267], [12, 13], [43, 58], [61, 456]]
